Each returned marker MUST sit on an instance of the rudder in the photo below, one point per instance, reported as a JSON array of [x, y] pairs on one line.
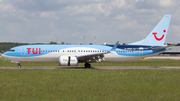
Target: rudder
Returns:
[[158, 35]]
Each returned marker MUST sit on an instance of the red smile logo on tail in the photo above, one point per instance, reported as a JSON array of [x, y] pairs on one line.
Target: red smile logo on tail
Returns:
[[159, 39]]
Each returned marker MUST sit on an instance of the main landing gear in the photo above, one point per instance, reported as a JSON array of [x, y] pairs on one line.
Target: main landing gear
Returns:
[[19, 66], [87, 65]]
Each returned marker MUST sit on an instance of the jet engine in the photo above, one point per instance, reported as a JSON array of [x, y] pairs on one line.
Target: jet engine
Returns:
[[68, 61]]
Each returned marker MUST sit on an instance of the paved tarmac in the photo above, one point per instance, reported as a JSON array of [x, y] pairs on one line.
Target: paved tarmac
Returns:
[[165, 57], [108, 67]]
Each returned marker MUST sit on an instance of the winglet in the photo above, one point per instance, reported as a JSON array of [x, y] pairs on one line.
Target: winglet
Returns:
[[115, 46]]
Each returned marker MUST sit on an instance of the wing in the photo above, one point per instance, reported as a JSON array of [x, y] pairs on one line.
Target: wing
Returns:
[[96, 57]]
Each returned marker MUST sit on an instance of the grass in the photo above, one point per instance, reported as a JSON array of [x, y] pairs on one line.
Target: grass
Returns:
[[149, 62], [89, 85]]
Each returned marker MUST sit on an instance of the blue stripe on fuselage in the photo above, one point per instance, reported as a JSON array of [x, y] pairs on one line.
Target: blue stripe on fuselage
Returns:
[[125, 50]]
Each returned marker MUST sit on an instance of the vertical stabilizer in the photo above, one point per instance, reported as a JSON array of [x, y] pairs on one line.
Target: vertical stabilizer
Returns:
[[158, 35]]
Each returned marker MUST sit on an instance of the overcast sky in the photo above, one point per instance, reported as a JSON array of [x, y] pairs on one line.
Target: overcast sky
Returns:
[[69, 20]]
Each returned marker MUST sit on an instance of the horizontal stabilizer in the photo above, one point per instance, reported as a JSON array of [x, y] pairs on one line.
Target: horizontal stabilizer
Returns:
[[160, 48]]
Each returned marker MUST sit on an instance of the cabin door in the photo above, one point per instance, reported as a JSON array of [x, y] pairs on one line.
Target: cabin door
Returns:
[[141, 51], [23, 51]]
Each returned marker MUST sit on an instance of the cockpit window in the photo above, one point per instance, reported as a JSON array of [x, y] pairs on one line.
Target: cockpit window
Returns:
[[11, 50]]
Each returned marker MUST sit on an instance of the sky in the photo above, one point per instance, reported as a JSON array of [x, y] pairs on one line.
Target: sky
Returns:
[[72, 21]]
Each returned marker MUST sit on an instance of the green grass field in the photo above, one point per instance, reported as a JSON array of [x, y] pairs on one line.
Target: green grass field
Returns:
[[90, 84]]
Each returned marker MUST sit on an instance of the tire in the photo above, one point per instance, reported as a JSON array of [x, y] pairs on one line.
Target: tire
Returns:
[[87, 65], [19, 66]]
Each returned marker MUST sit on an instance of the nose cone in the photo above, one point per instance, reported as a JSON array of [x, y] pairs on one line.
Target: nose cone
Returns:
[[4, 55]]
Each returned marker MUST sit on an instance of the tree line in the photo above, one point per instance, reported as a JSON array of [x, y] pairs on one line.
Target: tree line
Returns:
[[5, 46]]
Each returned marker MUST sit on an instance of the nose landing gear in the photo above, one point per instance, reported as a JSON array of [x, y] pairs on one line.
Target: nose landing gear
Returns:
[[19, 65]]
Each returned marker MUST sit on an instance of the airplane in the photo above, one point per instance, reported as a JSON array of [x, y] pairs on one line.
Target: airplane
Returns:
[[71, 55]]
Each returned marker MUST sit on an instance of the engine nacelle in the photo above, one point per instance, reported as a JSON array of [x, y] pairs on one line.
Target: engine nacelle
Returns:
[[68, 61]]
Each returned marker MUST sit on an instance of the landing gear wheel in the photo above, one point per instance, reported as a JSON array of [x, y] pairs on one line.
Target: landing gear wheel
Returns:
[[87, 65], [19, 66]]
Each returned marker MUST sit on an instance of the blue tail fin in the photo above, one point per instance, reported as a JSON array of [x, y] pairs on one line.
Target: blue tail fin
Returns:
[[158, 35]]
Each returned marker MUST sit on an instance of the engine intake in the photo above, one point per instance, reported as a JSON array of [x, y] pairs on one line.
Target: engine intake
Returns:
[[68, 61]]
